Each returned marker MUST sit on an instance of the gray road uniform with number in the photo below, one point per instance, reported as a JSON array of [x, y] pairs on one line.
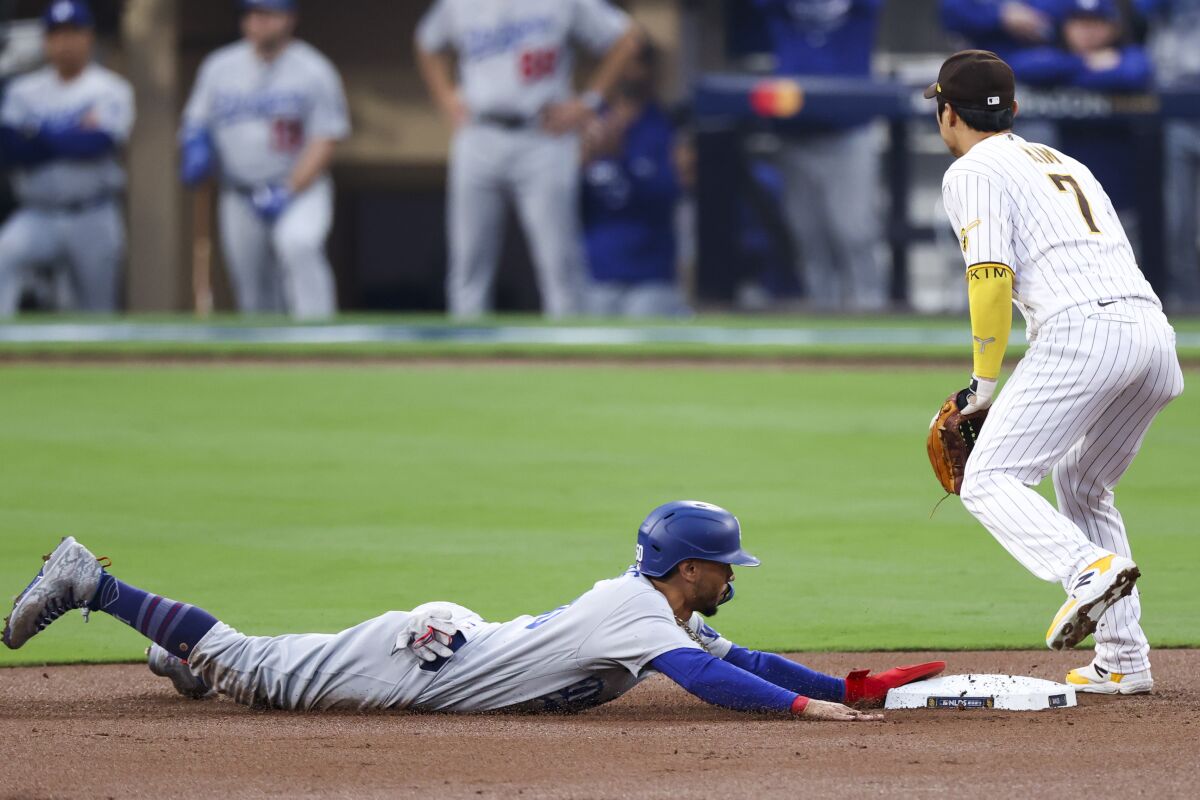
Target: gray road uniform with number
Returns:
[[70, 215], [574, 657], [261, 116], [515, 58]]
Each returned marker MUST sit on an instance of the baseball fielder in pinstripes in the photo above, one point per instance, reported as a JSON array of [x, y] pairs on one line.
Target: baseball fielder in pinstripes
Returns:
[[1036, 228]]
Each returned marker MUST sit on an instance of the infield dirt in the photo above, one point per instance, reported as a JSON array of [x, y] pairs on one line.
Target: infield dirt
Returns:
[[117, 731]]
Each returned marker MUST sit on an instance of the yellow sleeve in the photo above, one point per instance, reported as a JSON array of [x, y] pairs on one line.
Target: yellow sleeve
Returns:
[[989, 290]]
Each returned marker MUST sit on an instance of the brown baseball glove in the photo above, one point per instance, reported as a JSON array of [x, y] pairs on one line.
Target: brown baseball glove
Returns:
[[952, 437]]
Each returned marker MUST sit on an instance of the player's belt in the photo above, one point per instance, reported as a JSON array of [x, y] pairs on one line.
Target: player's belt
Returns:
[[76, 207], [509, 122]]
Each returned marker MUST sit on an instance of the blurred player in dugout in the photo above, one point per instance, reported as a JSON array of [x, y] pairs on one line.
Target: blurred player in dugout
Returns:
[[631, 193], [832, 176], [266, 115], [516, 132], [61, 131], [1174, 45]]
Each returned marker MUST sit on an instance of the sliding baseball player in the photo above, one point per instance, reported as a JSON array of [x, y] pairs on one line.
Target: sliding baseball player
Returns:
[[441, 656], [1036, 228]]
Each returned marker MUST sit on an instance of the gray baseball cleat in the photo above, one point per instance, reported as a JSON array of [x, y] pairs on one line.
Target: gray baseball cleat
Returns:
[[165, 665], [68, 579]]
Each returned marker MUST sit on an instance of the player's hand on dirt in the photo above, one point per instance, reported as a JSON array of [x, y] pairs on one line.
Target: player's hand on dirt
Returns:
[[568, 117], [836, 712], [1026, 23], [428, 635], [976, 397]]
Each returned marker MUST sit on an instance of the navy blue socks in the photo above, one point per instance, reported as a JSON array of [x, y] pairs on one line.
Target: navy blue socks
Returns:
[[176, 627]]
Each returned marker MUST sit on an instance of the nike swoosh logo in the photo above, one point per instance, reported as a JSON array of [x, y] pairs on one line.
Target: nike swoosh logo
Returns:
[[1109, 303]]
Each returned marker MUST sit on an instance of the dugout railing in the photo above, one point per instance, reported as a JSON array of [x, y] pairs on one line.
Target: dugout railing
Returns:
[[727, 108]]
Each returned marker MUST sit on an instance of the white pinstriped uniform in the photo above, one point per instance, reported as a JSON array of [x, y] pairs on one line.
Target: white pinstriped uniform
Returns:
[[1100, 366]]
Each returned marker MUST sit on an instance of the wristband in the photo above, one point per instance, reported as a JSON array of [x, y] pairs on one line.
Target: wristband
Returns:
[[799, 704]]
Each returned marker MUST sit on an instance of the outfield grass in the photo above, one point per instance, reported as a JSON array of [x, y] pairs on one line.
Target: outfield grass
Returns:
[[304, 498]]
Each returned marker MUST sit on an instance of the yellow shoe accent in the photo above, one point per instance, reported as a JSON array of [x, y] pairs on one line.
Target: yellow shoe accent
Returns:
[[1076, 679], [1062, 612], [1102, 566]]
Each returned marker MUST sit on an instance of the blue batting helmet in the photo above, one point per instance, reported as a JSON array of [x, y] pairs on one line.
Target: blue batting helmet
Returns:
[[689, 529], [288, 6], [74, 13]]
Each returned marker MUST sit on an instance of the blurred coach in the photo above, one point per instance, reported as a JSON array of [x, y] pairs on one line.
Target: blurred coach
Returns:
[[268, 112], [832, 175], [517, 132], [62, 129], [1175, 48], [630, 198]]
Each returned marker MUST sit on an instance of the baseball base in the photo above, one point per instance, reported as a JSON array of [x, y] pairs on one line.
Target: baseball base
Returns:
[[999, 692]]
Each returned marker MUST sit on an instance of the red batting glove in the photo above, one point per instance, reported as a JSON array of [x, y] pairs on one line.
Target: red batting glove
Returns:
[[862, 687]]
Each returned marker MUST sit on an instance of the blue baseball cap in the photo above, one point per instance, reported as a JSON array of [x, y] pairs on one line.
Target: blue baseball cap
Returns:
[[1105, 9], [63, 13], [286, 6]]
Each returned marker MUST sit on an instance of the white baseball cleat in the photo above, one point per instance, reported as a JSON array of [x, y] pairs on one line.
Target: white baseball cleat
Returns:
[[68, 579], [1092, 592], [1097, 680], [165, 665]]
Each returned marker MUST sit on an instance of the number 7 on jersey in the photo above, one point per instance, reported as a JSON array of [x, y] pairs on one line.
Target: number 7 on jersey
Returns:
[[1085, 208]]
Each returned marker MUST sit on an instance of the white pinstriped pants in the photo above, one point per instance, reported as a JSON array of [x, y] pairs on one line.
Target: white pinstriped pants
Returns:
[[1080, 403]]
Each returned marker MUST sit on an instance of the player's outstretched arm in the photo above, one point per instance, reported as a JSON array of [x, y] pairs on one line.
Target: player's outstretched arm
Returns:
[[722, 684], [786, 673], [859, 687]]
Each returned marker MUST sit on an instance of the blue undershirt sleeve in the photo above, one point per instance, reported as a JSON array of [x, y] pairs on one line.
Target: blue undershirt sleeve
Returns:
[[80, 144], [19, 149], [721, 683], [788, 674]]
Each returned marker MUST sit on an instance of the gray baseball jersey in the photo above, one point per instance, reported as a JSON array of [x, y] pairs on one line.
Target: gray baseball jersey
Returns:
[[580, 655], [516, 57], [263, 114], [98, 98]]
